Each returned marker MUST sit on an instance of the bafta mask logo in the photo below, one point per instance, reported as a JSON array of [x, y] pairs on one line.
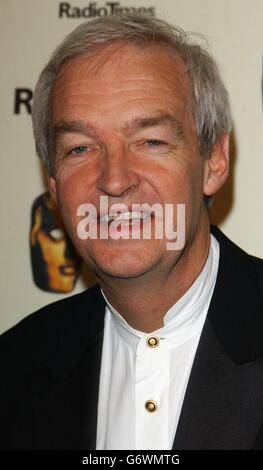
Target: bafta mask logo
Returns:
[[55, 262]]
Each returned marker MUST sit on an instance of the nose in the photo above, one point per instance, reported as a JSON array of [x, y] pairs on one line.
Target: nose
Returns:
[[117, 175]]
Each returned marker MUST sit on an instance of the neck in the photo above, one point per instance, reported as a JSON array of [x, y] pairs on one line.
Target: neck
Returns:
[[144, 301]]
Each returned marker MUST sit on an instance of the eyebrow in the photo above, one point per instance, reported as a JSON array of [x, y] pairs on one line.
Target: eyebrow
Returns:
[[154, 121], [67, 127]]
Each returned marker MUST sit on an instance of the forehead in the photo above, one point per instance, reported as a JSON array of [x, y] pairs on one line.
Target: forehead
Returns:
[[130, 73]]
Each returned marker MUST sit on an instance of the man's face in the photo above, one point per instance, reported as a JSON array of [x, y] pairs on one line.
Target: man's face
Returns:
[[124, 129]]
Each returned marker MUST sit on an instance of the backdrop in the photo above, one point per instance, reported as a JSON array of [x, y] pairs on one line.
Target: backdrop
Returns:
[[29, 31]]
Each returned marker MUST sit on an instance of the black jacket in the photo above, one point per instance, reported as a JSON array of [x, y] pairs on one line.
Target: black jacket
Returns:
[[50, 367]]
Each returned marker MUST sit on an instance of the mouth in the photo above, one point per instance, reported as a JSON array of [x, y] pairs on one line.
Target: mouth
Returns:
[[125, 224], [128, 216]]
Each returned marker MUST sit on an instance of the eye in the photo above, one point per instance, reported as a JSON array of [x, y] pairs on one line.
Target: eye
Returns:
[[78, 150], [154, 143]]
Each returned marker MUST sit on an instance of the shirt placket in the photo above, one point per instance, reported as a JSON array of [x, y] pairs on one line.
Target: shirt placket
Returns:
[[152, 365]]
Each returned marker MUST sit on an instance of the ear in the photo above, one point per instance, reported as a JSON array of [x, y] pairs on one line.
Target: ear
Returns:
[[216, 167], [52, 186]]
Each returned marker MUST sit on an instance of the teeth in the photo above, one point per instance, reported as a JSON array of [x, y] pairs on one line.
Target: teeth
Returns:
[[124, 216]]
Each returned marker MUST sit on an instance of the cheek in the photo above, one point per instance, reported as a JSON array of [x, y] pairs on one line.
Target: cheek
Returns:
[[179, 184], [71, 194], [74, 187], [182, 185]]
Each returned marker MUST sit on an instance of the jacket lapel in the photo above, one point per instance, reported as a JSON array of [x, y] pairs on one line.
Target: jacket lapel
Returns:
[[67, 407], [66, 382], [223, 403], [223, 407]]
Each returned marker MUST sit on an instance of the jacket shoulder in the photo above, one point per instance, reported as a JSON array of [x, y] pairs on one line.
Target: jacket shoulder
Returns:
[[53, 324], [238, 253], [236, 308]]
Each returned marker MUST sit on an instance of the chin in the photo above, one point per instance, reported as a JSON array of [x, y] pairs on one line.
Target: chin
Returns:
[[122, 265], [121, 272], [122, 260]]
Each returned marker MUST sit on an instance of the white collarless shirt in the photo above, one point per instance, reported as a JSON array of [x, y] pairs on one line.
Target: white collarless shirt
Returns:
[[143, 377]]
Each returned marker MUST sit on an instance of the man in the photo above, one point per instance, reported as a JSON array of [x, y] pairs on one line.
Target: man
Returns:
[[167, 351]]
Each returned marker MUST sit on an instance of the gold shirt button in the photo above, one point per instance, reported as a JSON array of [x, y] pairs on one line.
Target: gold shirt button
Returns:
[[151, 406], [153, 341]]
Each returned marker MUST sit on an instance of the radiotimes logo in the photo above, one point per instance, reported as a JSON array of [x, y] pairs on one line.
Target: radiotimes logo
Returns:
[[95, 10]]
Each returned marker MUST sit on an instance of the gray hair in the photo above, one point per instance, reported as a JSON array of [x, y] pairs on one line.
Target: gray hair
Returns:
[[211, 110]]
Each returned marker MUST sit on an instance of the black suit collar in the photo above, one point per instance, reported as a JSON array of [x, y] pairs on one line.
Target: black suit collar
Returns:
[[236, 308], [71, 328], [222, 407]]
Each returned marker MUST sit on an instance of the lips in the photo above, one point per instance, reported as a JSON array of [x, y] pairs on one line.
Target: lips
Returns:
[[125, 216]]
